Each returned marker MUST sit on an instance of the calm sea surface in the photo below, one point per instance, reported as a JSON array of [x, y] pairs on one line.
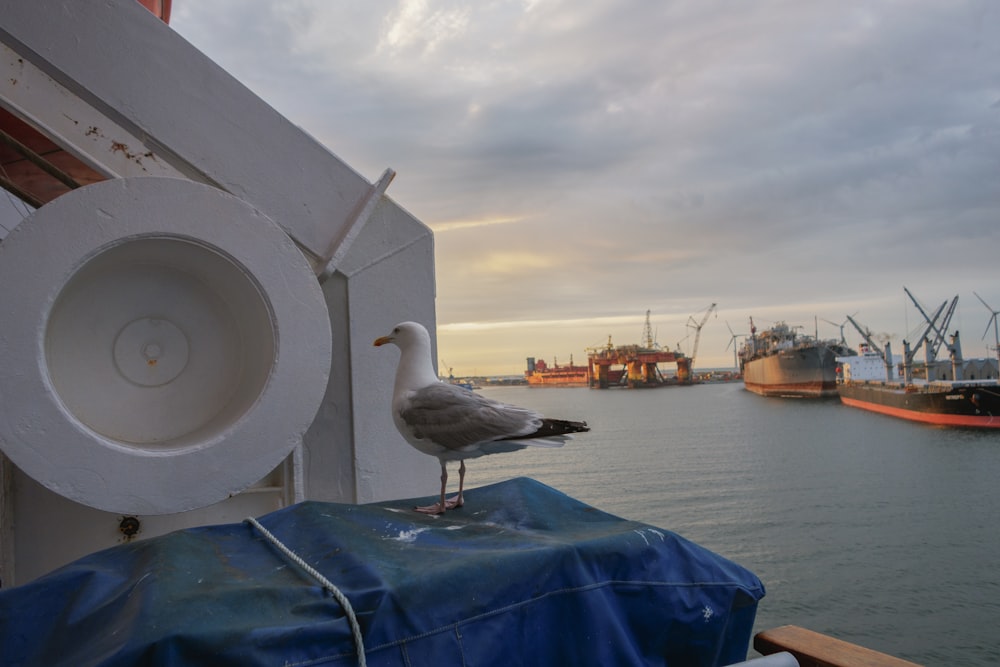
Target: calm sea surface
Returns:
[[867, 528]]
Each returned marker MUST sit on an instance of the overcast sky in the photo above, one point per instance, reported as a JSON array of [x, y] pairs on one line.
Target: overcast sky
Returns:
[[584, 161]]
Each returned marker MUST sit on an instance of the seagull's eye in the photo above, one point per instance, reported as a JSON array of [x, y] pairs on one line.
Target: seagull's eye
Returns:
[[396, 330]]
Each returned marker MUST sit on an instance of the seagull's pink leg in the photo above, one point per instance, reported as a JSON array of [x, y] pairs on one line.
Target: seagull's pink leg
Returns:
[[439, 507], [459, 500]]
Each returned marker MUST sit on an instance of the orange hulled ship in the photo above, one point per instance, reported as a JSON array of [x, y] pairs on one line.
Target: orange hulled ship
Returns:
[[540, 374]]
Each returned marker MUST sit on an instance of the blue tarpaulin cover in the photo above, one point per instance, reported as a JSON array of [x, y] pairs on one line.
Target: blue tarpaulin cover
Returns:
[[522, 575]]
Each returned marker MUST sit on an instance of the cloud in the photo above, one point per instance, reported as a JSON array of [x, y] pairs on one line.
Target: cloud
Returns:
[[453, 225], [584, 161]]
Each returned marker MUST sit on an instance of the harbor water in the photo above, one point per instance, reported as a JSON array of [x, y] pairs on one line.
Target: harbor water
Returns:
[[870, 529]]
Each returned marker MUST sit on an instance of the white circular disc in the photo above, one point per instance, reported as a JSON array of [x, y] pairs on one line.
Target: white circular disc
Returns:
[[165, 345], [151, 351]]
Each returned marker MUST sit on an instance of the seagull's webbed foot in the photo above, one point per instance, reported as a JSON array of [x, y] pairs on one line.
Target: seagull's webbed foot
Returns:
[[440, 506], [436, 508], [444, 504]]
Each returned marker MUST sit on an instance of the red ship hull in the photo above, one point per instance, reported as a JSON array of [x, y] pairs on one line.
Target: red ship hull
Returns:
[[972, 405]]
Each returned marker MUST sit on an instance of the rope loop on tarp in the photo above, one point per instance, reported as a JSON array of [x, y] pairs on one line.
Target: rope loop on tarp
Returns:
[[323, 581]]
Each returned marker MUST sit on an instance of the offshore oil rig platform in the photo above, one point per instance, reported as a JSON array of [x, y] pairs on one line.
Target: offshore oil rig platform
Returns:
[[633, 366], [639, 364]]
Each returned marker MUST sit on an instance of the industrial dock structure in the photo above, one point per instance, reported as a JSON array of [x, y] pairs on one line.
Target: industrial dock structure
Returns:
[[637, 366], [632, 366]]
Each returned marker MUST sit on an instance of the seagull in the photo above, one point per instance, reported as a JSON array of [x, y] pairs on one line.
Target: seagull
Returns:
[[452, 423]]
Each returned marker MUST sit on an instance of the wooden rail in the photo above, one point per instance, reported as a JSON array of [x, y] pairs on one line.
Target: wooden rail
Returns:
[[813, 649]]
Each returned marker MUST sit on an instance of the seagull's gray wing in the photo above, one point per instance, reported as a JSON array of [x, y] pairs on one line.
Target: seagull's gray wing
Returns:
[[456, 418]]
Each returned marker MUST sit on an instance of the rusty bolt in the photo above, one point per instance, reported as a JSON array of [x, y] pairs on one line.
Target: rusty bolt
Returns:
[[129, 526]]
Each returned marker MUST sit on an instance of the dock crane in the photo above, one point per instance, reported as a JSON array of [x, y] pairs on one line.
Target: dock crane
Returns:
[[939, 332], [908, 352], [697, 327], [647, 335], [885, 354]]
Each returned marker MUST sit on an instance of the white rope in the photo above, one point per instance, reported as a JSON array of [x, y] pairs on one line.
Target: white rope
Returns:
[[324, 582]]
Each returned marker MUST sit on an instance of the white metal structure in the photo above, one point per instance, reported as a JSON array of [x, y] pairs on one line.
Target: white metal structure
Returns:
[[189, 341]]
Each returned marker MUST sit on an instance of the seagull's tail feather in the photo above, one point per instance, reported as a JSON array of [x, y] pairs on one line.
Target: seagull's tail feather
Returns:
[[559, 427], [551, 433]]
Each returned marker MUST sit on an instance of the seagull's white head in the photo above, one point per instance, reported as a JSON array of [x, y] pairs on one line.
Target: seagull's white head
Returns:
[[406, 335], [416, 368]]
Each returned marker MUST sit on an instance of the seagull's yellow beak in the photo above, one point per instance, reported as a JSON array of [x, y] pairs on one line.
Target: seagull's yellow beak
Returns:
[[382, 340]]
